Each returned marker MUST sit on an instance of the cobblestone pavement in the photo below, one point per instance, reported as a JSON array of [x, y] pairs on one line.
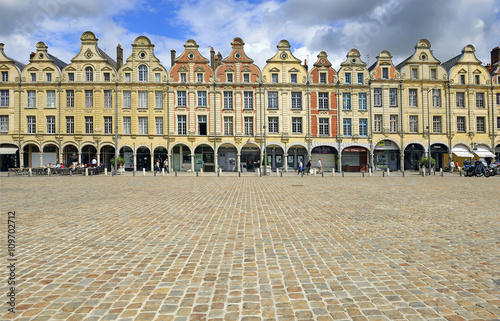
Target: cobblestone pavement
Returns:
[[249, 248]]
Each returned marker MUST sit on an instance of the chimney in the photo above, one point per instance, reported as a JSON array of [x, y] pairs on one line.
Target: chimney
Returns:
[[219, 59], [119, 56], [32, 54], [172, 58], [495, 56], [212, 58], [305, 65]]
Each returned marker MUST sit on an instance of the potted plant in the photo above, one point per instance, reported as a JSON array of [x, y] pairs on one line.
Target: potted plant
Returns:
[[423, 162], [121, 162]]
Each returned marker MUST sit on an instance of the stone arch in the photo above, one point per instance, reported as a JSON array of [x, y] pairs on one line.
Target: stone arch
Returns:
[[293, 145], [180, 143], [416, 143], [387, 138], [247, 145]]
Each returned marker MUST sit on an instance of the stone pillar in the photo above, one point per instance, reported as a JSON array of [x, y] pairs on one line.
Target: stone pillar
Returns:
[[273, 163], [152, 155], [371, 159], [238, 162], [340, 162], [285, 159], [21, 159], [80, 157], [295, 161], [98, 158], [192, 162], [135, 161], [402, 161], [41, 158]]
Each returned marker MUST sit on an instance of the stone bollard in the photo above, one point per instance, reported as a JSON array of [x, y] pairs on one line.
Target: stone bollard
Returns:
[[201, 171], [277, 172], [342, 173], [441, 172], [315, 171], [403, 172], [387, 172], [105, 172], [163, 172], [363, 174], [48, 171], [143, 172], [29, 172], [258, 172], [86, 171], [383, 174], [369, 172], [333, 172]]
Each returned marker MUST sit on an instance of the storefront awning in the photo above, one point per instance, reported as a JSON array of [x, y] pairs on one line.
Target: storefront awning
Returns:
[[461, 151], [483, 151], [8, 150]]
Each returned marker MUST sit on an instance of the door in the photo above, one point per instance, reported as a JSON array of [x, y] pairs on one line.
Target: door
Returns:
[[177, 162]]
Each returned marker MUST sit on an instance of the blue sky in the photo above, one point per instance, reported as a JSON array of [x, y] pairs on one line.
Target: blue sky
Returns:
[[311, 26]]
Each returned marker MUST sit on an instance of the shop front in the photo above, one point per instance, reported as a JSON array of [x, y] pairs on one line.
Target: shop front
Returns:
[[143, 158], [413, 152], [275, 156], [386, 156], [461, 153], [181, 158], [128, 154], [204, 159], [296, 154], [107, 153], [440, 154], [9, 157], [355, 159], [70, 155], [482, 151], [250, 159], [328, 155]]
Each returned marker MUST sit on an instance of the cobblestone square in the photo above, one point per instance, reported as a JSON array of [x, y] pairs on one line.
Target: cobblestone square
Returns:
[[250, 248]]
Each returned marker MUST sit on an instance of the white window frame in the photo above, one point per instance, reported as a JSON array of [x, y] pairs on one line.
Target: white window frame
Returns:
[[89, 74], [127, 99], [142, 73], [158, 99], [89, 124], [158, 125], [108, 98], [363, 127], [461, 124], [248, 100], [273, 124], [31, 98], [248, 124], [199, 77], [142, 125], [246, 77], [293, 78], [181, 125], [323, 102], [385, 73], [157, 77], [393, 97], [5, 76], [460, 99], [479, 100], [71, 76], [4, 98], [346, 101], [377, 97], [230, 77], [4, 123], [393, 123], [228, 126], [127, 125], [363, 101], [297, 100], [31, 124], [70, 124], [228, 100], [436, 98], [480, 124], [51, 99], [128, 77], [202, 98], [51, 124], [436, 124], [48, 76], [274, 78], [142, 100], [108, 125], [324, 126], [413, 122], [70, 98], [272, 100], [297, 125], [33, 77], [412, 97], [89, 99], [322, 78], [377, 123], [347, 127]]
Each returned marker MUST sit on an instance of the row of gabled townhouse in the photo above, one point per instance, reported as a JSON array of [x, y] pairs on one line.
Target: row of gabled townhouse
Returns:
[[359, 117]]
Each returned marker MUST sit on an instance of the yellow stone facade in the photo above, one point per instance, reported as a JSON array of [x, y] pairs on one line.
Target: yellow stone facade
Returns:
[[362, 117]]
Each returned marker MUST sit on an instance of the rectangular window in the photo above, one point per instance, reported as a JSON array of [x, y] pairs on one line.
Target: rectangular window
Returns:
[[70, 124], [362, 101], [49, 77], [293, 78], [498, 98], [274, 78], [158, 99], [272, 100], [393, 123], [31, 124], [322, 78], [143, 125], [360, 78], [246, 77], [181, 125], [89, 98], [248, 100], [248, 121], [348, 78], [498, 123], [106, 76], [385, 73], [393, 97], [436, 98], [377, 97], [363, 127], [71, 76], [202, 98], [479, 100], [462, 79], [108, 99], [33, 77], [460, 100], [433, 74], [346, 99], [4, 123], [461, 124], [108, 125], [51, 99], [377, 123], [436, 124], [228, 100], [229, 77], [127, 101], [157, 77], [70, 98], [480, 125], [228, 126], [89, 125], [4, 98], [5, 76], [31, 99], [127, 77], [127, 125], [347, 130], [414, 73], [199, 77], [51, 124], [413, 124], [476, 78], [158, 125], [273, 125], [202, 125], [323, 101], [183, 77], [412, 97], [296, 100], [296, 125], [143, 99], [324, 126]]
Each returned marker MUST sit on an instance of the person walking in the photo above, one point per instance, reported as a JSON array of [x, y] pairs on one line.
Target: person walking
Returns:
[[452, 166], [308, 167], [165, 164], [300, 168], [157, 166], [320, 166]]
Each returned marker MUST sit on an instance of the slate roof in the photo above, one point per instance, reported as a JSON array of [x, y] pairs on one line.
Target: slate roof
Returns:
[[108, 58], [452, 62], [403, 63], [58, 62], [372, 66]]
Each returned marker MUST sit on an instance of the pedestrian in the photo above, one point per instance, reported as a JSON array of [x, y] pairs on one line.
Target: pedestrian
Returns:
[[165, 164], [308, 167], [94, 162], [157, 166], [452, 166], [300, 168], [320, 166]]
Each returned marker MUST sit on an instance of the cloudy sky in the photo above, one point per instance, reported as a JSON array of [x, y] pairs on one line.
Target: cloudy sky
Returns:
[[311, 26]]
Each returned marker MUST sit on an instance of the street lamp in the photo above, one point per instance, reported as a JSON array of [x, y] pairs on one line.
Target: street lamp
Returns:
[[215, 80], [261, 80], [429, 131], [307, 80], [116, 129]]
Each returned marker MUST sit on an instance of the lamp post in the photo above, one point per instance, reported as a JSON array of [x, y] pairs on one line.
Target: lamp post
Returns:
[[214, 81], [261, 80], [429, 131], [307, 80]]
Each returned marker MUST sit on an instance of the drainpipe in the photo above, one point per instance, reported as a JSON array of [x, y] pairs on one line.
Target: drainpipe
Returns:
[[401, 153], [371, 122], [308, 121], [450, 129], [116, 129], [339, 138]]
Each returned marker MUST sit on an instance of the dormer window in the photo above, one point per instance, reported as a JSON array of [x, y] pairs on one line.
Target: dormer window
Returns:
[[106, 76], [229, 77], [127, 77], [143, 73], [246, 78], [274, 78], [360, 78], [414, 73], [89, 74], [385, 73], [476, 77], [322, 78], [293, 78], [5, 76], [199, 77], [158, 77], [183, 77], [49, 77], [348, 78], [71, 76], [462, 79], [433, 74], [33, 77]]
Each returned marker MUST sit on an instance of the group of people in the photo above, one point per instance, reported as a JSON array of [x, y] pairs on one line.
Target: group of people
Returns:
[[308, 166], [159, 165]]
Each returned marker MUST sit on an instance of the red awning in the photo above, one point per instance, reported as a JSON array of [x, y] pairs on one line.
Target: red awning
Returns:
[[354, 150]]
